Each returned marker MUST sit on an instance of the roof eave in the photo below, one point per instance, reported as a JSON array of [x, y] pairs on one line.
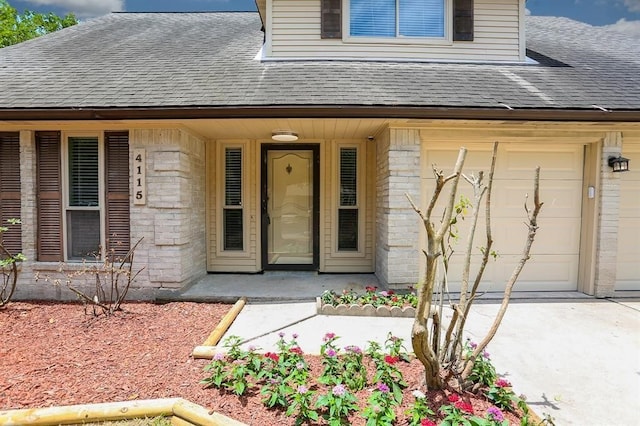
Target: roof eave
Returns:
[[297, 111]]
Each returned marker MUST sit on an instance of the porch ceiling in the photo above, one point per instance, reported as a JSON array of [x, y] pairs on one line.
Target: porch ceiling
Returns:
[[307, 129]]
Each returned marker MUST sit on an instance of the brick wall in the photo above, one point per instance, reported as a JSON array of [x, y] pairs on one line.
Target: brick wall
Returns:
[[398, 173], [172, 221], [607, 237]]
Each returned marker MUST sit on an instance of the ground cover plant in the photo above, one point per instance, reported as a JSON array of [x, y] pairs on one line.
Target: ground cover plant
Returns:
[[358, 386], [371, 296]]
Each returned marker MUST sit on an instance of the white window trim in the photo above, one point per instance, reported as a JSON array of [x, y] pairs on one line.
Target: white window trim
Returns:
[[360, 200], [64, 153], [220, 196], [447, 40]]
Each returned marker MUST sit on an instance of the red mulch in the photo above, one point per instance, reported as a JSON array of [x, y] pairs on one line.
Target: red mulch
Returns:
[[55, 354]]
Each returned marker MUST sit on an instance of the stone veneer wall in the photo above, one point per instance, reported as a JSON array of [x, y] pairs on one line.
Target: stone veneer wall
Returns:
[[398, 226], [607, 224], [172, 222]]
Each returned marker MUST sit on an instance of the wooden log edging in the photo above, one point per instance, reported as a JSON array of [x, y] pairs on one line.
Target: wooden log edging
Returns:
[[367, 310], [208, 348], [182, 411]]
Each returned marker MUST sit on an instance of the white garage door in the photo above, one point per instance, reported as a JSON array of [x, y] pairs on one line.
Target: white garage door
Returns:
[[628, 271], [555, 253]]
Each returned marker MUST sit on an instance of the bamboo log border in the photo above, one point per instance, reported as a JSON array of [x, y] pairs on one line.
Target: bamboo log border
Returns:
[[181, 411], [208, 348]]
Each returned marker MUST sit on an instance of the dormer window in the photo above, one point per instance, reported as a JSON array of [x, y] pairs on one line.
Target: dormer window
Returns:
[[397, 18], [404, 21]]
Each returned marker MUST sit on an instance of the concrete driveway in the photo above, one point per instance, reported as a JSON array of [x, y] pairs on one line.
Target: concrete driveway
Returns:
[[576, 360]]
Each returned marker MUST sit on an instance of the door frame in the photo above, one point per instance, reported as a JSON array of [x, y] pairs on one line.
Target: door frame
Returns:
[[315, 234]]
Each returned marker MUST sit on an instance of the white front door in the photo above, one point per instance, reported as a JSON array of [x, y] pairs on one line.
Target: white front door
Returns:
[[289, 208]]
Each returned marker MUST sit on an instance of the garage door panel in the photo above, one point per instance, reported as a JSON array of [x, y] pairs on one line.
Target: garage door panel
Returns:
[[554, 236], [540, 273], [560, 198], [628, 265], [478, 158], [555, 253], [556, 162]]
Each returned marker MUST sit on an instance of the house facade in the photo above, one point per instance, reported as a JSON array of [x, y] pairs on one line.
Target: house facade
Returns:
[[288, 139]]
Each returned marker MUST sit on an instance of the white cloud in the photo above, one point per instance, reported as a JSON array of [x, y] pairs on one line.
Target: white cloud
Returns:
[[632, 5], [627, 27], [83, 8]]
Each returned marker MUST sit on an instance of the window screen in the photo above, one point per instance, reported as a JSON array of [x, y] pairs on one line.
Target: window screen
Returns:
[[233, 238], [397, 18], [348, 208]]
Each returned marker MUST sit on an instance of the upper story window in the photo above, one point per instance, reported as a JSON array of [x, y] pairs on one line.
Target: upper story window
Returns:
[[397, 18]]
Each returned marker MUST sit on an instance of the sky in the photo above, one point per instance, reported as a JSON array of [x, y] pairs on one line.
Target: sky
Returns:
[[623, 15]]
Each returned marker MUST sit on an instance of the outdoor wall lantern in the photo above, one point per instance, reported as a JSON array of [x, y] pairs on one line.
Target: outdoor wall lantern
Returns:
[[619, 164], [284, 136]]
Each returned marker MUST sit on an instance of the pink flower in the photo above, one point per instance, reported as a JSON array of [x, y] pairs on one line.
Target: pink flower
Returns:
[[384, 293], [331, 353], [502, 383], [427, 422], [296, 350], [339, 390], [454, 397], [495, 414], [302, 389], [328, 337], [383, 388], [218, 356]]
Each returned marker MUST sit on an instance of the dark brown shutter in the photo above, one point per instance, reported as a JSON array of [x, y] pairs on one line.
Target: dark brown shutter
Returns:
[[10, 190], [462, 20], [49, 187], [117, 181], [331, 19]]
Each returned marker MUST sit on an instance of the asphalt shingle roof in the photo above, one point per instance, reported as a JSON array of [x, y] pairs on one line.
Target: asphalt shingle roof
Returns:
[[148, 60]]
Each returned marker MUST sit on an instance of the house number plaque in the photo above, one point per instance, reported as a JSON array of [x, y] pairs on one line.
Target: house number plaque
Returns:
[[139, 177]]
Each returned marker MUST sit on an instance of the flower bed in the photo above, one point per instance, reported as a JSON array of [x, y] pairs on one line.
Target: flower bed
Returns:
[[387, 303], [352, 385]]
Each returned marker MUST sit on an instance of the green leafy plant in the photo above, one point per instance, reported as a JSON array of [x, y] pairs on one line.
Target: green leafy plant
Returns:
[[332, 372], [456, 413], [380, 408], [420, 411], [388, 373], [483, 371], [371, 296], [339, 404], [501, 394], [217, 370], [354, 371], [301, 405]]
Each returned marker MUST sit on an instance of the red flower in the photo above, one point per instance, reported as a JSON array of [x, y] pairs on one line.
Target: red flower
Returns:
[[427, 422], [394, 299], [390, 292], [296, 350], [454, 397], [464, 406], [390, 359], [371, 289], [272, 356]]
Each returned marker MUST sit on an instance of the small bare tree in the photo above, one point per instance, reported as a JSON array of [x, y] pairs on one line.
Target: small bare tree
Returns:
[[439, 352], [8, 267], [113, 278]]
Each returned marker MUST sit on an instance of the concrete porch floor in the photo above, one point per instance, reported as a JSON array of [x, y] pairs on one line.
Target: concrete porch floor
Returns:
[[270, 286], [295, 286]]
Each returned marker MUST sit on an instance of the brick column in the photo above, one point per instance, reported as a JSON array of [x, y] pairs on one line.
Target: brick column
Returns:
[[397, 246], [609, 206]]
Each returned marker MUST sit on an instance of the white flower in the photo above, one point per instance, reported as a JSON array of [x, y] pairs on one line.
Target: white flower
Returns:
[[418, 395]]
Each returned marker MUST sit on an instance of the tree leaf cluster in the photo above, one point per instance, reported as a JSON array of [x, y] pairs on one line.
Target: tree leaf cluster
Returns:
[[18, 27]]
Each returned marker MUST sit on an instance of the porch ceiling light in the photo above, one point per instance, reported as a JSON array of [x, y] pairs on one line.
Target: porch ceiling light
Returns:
[[619, 164], [284, 136]]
